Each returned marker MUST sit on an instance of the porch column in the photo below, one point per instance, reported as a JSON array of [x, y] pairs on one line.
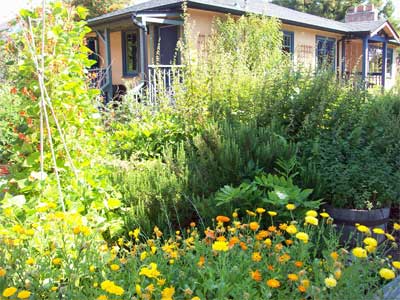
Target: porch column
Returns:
[[109, 88], [365, 59], [143, 50], [343, 58], [384, 60]]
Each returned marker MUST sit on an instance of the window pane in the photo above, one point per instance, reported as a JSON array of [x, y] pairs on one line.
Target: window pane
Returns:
[[131, 50], [326, 49], [287, 46], [389, 61]]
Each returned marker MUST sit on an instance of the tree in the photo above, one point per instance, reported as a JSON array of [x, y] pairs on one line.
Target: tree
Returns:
[[100, 7]]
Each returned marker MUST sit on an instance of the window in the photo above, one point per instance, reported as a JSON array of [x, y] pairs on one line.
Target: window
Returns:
[[389, 61], [92, 44], [130, 53], [325, 52], [288, 42]]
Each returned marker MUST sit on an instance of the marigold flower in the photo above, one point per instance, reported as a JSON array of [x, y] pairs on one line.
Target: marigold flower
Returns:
[[150, 272], [24, 294], [298, 264], [278, 247], [330, 282], [273, 283], [290, 206], [268, 243], [256, 256], [291, 229], [256, 275], [57, 261], [303, 237], [272, 228], [311, 220], [302, 288], [334, 255], [370, 242], [359, 252], [284, 258], [293, 277], [233, 241], [167, 293], [222, 219], [289, 242], [396, 264], [312, 213], [114, 267], [272, 213], [8, 292], [260, 210], [254, 226], [262, 235], [220, 246], [112, 288], [283, 226], [387, 274], [324, 215], [378, 231], [243, 246]]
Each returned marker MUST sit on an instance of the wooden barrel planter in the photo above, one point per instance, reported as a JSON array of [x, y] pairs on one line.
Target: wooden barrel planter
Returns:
[[345, 220]]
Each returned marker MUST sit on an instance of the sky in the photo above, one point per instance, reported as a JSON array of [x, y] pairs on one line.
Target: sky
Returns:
[[9, 8]]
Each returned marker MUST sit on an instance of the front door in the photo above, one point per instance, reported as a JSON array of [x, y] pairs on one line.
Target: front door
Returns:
[[166, 38]]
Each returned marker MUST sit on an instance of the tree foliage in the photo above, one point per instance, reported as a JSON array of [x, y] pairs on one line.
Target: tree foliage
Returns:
[[99, 7]]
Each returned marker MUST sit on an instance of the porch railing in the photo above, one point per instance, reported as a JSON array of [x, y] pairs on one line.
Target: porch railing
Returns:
[[162, 82], [372, 80], [98, 77]]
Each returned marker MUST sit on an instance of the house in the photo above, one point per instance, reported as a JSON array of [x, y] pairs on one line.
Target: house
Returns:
[[127, 41]]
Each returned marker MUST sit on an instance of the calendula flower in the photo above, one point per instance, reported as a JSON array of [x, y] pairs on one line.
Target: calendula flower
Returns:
[[102, 297], [260, 210], [254, 226], [256, 256], [220, 246], [272, 213], [386, 274], [167, 293], [273, 283], [283, 226], [251, 213], [293, 277], [298, 264], [337, 274], [302, 236], [24, 294], [3, 272], [396, 226], [8, 292], [56, 261], [363, 229], [268, 243], [290, 206], [330, 282], [235, 214], [196, 298], [324, 215], [311, 213], [112, 288], [378, 231], [30, 261], [262, 235], [150, 272], [311, 220], [390, 237], [114, 267], [359, 252], [256, 275], [369, 241], [396, 264], [222, 219], [302, 288], [334, 255], [291, 229]]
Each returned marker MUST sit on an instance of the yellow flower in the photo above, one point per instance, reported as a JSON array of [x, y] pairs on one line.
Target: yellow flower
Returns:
[[254, 226], [334, 255], [293, 277], [113, 203], [337, 274], [114, 267], [272, 213], [56, 261], [311, 220], [138, 290], [396, 226], [291, 229], [196, 298], [303, 237], [330, 282], [251, 213], [256, 275], [290, 206], [102, 297], [273, 283], [235, 214], [167, 293], [256, 256], [92, 269], [369, 241], [359, 252], [8, 292], [378, 231], [24, 294], [260, 210], [386, 273], [220, 246], [324, 215], [151, 272], [30, 261], [363, 229], [390, 237], [312, 213], [396, 264], [112, 288], [143, 255], [3, 272]]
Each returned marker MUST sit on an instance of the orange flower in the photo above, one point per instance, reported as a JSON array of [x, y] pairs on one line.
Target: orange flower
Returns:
[[273, 283], [270, 267], [298, 264], [254, 226], [243, 246], [221, 238], [233, 241], [284, 258], [283, 226], [201, 262], [192, 224], [289, 242], [262, 235], [222, 219], [256, 256], [272, 228], [256, 275], [209, 233], [302, 289], [334, 255], [293, 277], [278, 247]]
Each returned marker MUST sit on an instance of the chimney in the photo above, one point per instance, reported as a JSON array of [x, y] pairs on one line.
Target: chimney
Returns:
[[361, 13]]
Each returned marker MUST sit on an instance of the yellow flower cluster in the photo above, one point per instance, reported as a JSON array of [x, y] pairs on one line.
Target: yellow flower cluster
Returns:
[[110, 287]]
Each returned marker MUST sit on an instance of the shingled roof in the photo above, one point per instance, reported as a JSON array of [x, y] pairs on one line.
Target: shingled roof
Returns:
[[238, 7]]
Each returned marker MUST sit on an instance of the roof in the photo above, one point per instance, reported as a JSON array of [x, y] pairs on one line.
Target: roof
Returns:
[[286, 15]]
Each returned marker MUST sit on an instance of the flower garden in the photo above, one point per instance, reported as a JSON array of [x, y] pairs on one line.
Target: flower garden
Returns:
[[223, 194]]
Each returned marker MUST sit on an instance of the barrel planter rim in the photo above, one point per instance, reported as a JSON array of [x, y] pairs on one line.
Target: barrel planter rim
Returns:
[[370, 218]]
